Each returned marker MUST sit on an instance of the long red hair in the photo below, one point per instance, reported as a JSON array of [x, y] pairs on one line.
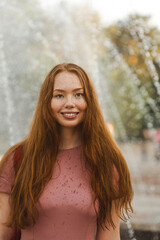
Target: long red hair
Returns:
[[40, 149]]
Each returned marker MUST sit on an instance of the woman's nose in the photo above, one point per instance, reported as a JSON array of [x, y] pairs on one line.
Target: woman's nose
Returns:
[[69, 102]]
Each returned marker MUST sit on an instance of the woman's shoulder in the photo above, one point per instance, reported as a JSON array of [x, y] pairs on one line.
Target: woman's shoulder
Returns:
[[7, 162], [11, 157], [7, 174]]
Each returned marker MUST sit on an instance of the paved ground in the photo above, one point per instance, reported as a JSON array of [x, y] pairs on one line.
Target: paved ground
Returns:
[[147, 212], [145, 172]]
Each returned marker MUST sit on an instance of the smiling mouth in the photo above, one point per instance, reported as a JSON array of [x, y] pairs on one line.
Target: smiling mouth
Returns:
[[69, 114]]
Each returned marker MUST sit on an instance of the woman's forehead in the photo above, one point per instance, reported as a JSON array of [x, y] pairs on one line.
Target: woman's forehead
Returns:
[[67, 80]]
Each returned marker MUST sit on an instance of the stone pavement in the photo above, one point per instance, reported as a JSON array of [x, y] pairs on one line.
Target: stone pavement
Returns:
[[147, 212], [145, 173]]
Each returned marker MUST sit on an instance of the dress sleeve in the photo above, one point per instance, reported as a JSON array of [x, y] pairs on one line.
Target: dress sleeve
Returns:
[[7, 175]]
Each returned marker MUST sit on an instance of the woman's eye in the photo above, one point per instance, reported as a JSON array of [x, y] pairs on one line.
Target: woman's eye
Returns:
[[79, 94], [59, 96]]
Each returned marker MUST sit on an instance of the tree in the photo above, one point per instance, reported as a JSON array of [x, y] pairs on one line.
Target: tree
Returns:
[[136, 46]]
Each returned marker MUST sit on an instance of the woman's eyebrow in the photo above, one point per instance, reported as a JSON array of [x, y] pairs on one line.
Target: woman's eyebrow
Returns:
[[61, 90]]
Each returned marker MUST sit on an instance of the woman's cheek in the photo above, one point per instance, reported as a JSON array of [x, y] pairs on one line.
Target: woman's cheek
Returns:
[[83, 104], [54, 105]]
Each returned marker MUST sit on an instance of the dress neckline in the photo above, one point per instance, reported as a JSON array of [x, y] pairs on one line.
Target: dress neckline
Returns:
[[69, 149]]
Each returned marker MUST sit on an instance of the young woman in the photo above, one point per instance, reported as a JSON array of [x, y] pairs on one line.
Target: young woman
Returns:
[[72, 181]]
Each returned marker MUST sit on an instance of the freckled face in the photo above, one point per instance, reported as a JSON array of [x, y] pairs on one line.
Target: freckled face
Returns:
[[68, 102]]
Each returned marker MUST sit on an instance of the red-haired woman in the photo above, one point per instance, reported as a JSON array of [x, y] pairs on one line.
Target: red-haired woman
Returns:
[[72, 181]]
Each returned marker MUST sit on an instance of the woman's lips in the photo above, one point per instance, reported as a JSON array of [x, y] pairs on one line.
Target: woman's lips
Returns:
[[69, 115]]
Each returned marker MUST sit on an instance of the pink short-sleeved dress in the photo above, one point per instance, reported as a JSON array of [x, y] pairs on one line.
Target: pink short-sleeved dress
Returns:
[[67, 200]]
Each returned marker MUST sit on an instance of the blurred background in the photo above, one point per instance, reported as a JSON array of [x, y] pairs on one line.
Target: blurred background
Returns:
[[118, 44]]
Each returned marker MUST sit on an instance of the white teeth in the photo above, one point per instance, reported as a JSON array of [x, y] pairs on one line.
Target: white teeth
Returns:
[[69, 114]]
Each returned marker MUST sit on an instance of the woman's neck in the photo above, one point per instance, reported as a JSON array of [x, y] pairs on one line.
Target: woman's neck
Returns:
[[69, 137]]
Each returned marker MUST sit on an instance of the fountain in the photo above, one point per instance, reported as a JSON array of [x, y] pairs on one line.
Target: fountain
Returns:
[[7, 95]]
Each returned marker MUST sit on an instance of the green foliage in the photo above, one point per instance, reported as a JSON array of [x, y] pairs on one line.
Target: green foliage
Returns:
[[134, 83]]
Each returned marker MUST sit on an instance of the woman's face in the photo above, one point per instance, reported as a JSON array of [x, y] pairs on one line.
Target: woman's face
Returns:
[[68, 102]]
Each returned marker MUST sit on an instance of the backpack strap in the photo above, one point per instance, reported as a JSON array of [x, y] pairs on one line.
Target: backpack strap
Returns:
[[17, 159], [17, 235]]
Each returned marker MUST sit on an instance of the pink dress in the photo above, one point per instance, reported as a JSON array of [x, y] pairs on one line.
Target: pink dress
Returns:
[[67, 200]]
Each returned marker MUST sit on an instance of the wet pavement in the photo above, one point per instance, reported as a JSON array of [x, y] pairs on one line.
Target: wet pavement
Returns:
[[145, 173]]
